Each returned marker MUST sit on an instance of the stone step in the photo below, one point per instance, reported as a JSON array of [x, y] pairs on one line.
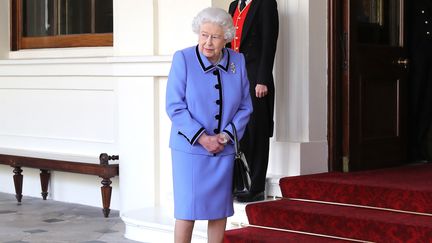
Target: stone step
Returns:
[[156, 224]]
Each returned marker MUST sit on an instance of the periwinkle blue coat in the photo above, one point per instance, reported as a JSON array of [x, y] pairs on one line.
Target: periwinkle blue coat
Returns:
[[202, 97]]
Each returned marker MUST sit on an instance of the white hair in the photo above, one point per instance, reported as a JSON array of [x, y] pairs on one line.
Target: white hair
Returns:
[[215, 16]]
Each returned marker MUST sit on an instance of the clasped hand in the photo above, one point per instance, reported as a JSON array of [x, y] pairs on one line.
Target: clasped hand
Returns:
[[261, 90], [212, 143]]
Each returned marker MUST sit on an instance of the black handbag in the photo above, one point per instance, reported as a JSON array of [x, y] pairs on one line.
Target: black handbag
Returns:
[[241, 175]]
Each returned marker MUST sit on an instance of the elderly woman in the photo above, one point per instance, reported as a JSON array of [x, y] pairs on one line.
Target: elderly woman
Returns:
[[207, 90]]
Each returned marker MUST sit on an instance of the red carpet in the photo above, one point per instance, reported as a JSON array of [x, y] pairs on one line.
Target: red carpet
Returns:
[[341, 221], [407, 188], [258, 235]]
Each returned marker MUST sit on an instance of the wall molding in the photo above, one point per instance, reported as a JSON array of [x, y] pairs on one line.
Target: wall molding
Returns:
[[143, 66]]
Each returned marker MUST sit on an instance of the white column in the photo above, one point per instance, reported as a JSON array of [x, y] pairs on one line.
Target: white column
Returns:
[[136, 139], [4, 29], [315, 151], [300, 142], [134, 36]]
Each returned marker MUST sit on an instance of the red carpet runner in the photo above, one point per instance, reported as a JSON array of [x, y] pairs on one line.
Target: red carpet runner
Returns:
[[407, 188], [253, 234]]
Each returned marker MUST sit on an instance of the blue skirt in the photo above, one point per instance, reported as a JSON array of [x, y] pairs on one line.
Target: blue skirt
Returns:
[[202, 186]]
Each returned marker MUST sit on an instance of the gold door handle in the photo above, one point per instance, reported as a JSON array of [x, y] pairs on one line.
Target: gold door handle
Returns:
[[403, 62]]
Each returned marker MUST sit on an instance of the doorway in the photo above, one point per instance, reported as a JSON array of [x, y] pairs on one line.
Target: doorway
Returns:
[[368, 84]]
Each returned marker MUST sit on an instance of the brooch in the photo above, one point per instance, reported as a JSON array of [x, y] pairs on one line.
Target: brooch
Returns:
[[232, 65]]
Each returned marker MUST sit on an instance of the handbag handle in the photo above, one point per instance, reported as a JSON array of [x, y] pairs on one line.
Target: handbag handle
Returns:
[[236, 142]]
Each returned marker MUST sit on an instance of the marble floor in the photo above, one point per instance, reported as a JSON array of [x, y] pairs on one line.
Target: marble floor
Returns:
[[39, 221]]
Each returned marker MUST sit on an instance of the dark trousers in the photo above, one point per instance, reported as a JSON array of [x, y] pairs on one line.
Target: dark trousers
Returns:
[[420, 99], [255, 143]]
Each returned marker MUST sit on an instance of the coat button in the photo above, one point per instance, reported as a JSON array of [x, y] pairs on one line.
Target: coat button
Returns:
[[216, 72], [217, 117], [217, 86], [218, 102], [216, 131]]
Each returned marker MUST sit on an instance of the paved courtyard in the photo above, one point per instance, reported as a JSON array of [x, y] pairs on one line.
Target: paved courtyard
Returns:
[[39, 221]]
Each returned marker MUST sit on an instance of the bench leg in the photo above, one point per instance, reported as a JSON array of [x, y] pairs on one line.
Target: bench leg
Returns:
[[106, 196], [44, 179], [18, 182]]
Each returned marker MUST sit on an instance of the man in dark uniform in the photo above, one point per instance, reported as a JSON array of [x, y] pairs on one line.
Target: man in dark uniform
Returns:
[[420, 85], [257, 28]]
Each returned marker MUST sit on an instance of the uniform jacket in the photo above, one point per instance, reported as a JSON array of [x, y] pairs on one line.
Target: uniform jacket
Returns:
[[420, 24], [258, 44], [201, 97], [420, 82]]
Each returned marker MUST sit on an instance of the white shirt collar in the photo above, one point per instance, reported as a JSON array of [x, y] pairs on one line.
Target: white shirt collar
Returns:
[[247, 2]]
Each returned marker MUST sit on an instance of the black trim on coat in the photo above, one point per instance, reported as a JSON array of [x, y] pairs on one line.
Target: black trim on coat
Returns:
[[229, 134], [195, 137], [217, 73], [205, 69], [201, 61], [227, 64]]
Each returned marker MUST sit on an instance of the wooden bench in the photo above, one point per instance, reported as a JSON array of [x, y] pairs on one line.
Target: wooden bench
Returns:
[[104, 170]]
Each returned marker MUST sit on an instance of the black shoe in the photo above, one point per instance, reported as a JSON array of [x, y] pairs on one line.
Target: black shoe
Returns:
[[250, 197]]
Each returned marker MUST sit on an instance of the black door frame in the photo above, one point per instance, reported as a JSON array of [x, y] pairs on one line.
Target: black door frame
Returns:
[[335, 68]]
